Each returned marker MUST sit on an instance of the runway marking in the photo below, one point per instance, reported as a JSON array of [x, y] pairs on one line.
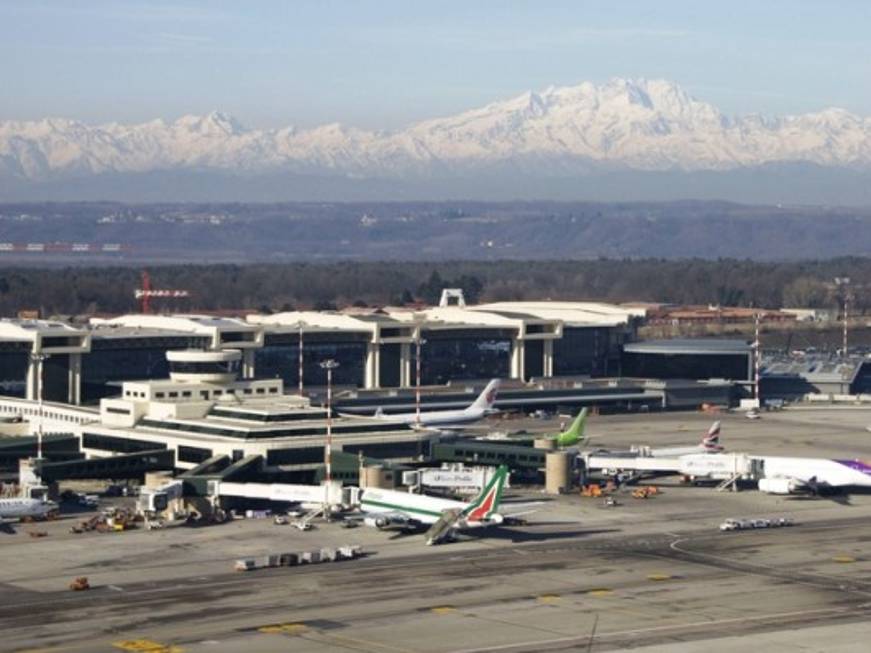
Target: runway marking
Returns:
[[642, 631], [283, 629], [443, 609], [146, 646], [600, 592], [844, 559], [658, 577], [115, 588], [549, 598]]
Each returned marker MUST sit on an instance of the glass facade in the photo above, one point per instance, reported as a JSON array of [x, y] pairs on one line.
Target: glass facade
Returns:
[[199, 367], [13, 373], [687, 366], [56, 378], [588, 351], [112, 361], [282, 361], [457, 355]]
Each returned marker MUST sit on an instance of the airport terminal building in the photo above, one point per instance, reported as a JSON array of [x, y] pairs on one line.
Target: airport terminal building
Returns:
[[374, 348]]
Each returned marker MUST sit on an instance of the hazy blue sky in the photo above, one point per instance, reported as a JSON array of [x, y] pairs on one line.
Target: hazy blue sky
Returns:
[[384, 64]]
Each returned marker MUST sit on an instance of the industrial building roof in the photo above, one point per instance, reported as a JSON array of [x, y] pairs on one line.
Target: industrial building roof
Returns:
[[818, 369], [570, 313]]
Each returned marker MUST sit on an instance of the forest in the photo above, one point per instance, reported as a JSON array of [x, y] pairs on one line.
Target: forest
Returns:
[[57, 291]]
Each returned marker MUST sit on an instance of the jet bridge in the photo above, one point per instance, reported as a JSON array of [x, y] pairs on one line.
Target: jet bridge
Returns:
[[326, 494], [712, 466]]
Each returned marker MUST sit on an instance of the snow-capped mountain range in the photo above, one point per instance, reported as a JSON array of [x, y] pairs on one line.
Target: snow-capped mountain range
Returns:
[[640, 125]]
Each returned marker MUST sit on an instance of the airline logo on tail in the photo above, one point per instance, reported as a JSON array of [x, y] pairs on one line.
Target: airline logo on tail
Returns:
[[487, 397], [486, 505], [711, 441]]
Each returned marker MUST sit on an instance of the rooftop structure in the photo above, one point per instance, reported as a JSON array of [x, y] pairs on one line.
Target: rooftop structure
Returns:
[[200, 413]]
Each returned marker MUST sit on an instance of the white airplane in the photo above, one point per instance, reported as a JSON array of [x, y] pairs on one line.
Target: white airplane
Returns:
[[710, 443], [779, 474], [810, 475], [16, 508], [477, 410], [385, 509]]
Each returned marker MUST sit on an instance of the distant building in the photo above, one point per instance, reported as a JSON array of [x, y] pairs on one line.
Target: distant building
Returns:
[[677, 315], [812, 314]]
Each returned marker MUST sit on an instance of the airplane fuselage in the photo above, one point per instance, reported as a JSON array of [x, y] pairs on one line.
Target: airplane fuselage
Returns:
[[17, 508], [440, 417], [418, 507], [825, 471]]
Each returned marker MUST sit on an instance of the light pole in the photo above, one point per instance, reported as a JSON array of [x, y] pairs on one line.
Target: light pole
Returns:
[[757, 357], [300, 359], [420, 341], [38, 359], [844, 282], [329, 365]]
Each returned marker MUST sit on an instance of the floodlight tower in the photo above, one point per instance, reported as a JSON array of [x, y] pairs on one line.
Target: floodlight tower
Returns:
[[329, 365], [843, 284], [418, 343]]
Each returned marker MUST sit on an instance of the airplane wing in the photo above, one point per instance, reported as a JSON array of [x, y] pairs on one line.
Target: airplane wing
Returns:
[[517, 509], [388, 520]]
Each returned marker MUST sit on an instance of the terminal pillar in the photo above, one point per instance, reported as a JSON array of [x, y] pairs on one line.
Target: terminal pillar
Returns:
[[32, 380], [373, 365], [75, 380], [405, 364], [547, 362], [517, 359], [248, 363]]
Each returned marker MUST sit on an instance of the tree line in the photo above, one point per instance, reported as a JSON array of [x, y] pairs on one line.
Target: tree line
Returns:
[[281, 287]]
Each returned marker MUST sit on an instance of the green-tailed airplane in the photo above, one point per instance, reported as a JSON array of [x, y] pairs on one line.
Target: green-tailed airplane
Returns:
[[574, 435]]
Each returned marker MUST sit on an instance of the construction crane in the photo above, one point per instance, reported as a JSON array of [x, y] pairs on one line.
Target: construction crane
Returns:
[[146, 292]]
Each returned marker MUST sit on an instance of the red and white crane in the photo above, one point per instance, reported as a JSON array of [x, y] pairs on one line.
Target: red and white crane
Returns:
[[146, 292]]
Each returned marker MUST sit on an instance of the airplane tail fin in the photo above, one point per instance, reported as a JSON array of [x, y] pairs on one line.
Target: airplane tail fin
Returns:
[[575, 433], [711, 441], [487, 397], [486, 504]]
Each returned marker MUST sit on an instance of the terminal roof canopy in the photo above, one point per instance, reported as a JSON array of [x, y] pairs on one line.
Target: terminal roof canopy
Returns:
[[694, 346]]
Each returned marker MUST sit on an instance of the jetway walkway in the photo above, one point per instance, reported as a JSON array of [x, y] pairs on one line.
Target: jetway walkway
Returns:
[[114, 467], [726, 467], [326, 494]]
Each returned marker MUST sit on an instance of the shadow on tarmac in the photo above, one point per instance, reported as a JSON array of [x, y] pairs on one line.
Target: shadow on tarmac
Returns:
[[519, 537]]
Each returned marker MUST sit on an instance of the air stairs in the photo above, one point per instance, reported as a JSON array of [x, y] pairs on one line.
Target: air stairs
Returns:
[[443, 528], [730, 483]]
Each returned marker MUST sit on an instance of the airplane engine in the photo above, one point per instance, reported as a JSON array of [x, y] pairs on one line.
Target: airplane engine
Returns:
[[777, 485], [377, 522]]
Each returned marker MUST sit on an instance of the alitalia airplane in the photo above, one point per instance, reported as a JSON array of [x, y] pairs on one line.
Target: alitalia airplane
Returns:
[[385, 509], [477, 410]]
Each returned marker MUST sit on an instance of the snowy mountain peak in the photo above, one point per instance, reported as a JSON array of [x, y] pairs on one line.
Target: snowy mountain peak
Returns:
[[215, 123], [635, 124]]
